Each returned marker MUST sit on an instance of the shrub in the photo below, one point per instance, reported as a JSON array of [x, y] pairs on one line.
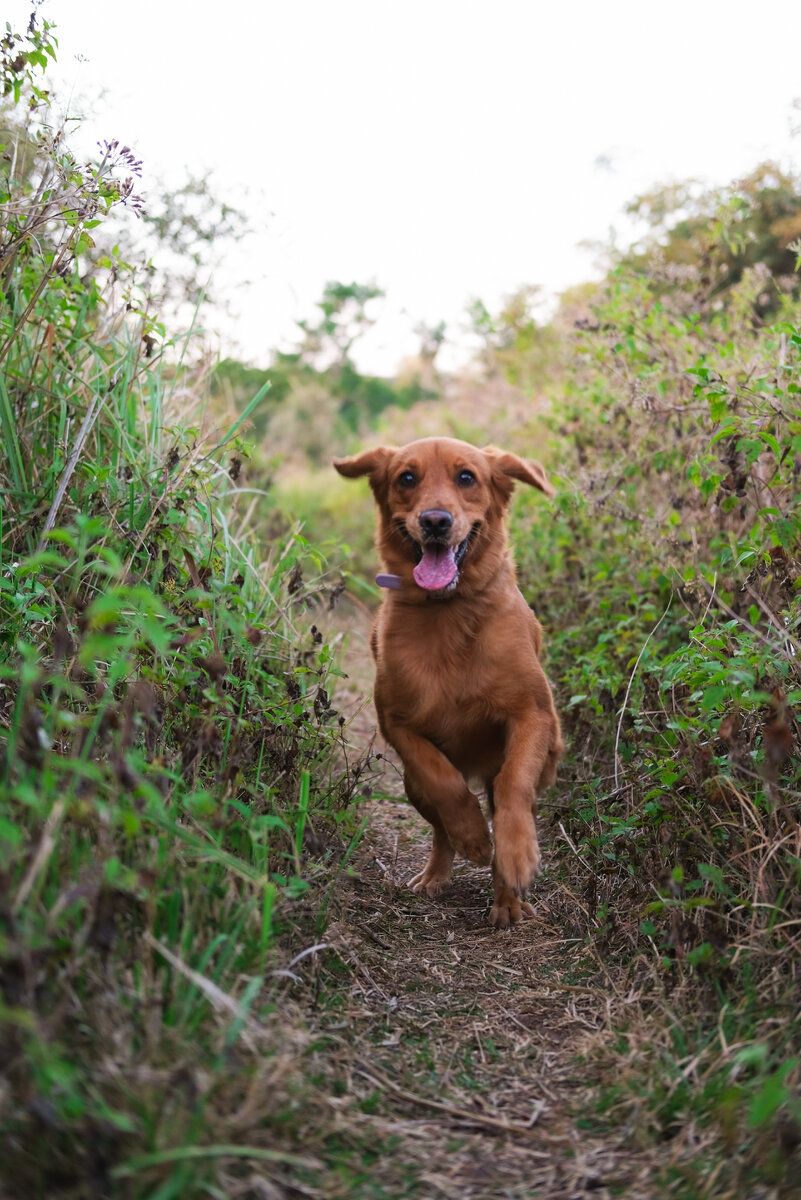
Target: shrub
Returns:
[[170, 761]]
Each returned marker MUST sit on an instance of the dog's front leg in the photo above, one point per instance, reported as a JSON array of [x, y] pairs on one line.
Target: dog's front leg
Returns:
[[439, 792], [517, 851], [437, 871]]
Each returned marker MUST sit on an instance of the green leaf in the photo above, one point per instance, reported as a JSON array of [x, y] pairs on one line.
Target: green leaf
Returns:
[[717, 405], [771, 1096], [10, 833]]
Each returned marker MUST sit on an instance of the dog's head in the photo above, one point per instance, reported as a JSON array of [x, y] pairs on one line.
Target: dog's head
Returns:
[[442, 504]]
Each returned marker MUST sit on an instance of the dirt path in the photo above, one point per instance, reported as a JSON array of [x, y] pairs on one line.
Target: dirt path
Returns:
[[475, 1052]]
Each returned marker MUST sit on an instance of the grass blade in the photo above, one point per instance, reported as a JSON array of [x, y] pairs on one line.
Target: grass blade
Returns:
[[11, 441], [186, 1153]]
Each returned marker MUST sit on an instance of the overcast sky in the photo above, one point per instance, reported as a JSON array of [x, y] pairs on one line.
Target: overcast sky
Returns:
[[447, 148]]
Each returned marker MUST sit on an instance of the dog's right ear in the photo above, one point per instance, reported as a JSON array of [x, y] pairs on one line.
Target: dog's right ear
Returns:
[[369, 462]]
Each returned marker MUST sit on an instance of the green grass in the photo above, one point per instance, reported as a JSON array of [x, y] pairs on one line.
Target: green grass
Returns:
[[173, 812], [165, 763]]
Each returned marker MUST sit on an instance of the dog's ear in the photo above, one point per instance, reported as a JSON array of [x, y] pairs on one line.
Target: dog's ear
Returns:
[[506, 467], [369, 462]]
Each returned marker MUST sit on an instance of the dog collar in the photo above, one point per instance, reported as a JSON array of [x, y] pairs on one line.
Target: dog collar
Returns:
[[389, 581]]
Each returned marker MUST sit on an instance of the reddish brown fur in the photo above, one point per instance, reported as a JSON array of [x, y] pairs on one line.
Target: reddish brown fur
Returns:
[[460, 691]]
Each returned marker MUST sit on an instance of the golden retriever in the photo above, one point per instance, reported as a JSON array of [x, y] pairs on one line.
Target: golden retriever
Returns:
[[460, 692]]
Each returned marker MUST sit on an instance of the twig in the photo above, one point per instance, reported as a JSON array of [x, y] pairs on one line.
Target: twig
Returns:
[[218, 999], [287, 972], [179, 1154], [628, 689], [83, 433], [372, 1073], [711, 598], [774, 644], [43, 852]]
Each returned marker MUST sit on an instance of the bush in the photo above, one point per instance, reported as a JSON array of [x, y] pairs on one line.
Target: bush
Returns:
[[170, 778], [671, 595]]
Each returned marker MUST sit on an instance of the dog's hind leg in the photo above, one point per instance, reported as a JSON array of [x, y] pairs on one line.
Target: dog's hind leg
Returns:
[[555, 752]]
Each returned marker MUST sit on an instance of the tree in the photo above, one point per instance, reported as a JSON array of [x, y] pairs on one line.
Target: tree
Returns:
[[516, 343], [712, 237], [344, 319], [431, 341]]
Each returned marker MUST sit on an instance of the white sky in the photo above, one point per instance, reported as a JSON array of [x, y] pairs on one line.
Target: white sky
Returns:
[[446, 148]]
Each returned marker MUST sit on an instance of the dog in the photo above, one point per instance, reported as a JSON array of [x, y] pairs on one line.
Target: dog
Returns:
[[460, 692]]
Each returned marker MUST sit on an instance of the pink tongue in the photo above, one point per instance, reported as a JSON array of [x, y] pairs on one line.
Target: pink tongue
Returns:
[[436, 569]]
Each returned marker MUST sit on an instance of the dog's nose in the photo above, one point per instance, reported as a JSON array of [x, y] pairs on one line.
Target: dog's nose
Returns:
[[436, 522]]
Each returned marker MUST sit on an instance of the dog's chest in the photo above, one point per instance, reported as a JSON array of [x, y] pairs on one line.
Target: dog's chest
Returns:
[[438, 686]]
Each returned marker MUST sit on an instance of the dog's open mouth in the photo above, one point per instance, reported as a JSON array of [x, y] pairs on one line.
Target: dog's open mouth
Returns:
[[438, 567]]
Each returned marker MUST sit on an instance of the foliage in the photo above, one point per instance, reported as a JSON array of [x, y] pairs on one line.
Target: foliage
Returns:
[[715, 236], [432, 338], [172, 796], [23, 56], [236, 383], [671, 556], [191, 228], [516, 342], [164, 792], [363, 398], [342, 320]]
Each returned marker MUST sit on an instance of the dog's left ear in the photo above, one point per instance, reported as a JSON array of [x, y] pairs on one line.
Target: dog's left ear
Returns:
[[506, 467]]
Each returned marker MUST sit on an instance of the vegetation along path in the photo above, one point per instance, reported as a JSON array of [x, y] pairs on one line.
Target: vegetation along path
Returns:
[[214, 981]]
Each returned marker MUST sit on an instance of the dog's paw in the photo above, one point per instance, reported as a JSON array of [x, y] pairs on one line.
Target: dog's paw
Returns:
[[474, 844], [469, 834], [517, 851], [428, 883], [511, 910], [437, 871]]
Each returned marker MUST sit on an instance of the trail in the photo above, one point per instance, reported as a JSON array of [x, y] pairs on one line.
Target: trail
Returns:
[[477, 1051]]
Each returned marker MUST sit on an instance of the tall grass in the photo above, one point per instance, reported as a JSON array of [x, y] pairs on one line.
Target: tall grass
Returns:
[[168, 794]]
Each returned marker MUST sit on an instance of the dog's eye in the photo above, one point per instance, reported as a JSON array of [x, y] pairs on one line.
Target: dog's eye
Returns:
[[407, 479], [465, 479]]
